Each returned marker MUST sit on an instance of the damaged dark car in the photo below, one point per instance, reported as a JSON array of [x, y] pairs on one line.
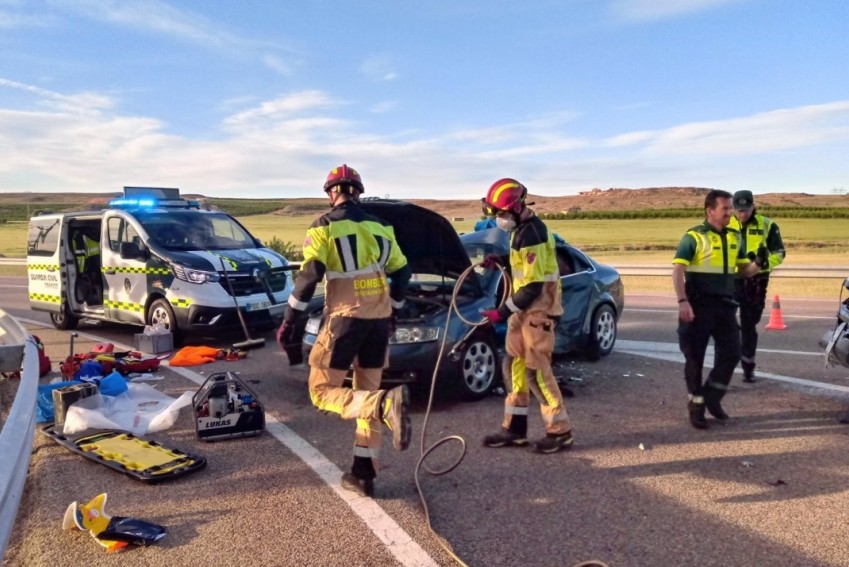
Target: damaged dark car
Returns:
[[593, 299]]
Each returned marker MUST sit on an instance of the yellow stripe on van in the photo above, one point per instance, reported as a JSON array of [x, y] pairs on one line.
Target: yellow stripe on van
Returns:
[[134, 270], [45, 297], [124, 306]]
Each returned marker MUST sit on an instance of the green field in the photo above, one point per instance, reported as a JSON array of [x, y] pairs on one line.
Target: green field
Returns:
[[615, 242]]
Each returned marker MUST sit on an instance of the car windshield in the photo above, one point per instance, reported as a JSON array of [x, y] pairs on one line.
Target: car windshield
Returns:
[[194, 230]]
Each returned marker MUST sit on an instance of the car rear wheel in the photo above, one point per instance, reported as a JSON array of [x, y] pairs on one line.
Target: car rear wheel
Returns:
[[63, 320], [477, 368], [602, 332]]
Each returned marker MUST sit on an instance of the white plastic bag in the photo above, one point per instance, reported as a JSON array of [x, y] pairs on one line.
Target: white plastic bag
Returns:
[[140, 410]]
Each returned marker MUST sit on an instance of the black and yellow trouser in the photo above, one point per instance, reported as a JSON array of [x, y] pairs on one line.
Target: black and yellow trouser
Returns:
[[717, 320], [529, 344], [750, 293], [341, 343]]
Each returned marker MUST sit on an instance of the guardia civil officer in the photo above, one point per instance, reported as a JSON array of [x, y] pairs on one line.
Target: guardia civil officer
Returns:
[[703, 272], [532, 313], [353, 253], [760, 238]]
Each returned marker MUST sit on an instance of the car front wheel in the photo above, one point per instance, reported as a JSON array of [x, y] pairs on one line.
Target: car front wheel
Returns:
[[477, 368], [602, 332], [161, 313]]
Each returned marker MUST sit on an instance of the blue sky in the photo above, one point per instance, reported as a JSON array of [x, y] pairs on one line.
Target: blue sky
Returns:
[[430, 99]]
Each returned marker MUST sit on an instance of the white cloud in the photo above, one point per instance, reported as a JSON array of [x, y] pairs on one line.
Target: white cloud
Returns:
[[284, 147], [649, 10], [764, 132], [79, 103], [276, 63], [379, 68]]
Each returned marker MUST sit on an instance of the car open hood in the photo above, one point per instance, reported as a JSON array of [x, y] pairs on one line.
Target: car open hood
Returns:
[[427, 239]]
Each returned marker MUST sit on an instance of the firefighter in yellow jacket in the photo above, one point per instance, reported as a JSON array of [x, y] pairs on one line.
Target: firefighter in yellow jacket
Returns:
[[532, 313], [760, 238], [366, 276]]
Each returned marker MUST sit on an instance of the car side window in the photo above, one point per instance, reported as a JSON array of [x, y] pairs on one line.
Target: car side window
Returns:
[[113, 230], [570, 261]]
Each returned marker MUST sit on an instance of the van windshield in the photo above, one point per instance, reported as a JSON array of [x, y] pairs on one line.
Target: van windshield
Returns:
[[193, 230]]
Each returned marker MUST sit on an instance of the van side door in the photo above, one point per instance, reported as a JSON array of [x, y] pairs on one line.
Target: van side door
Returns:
[[47, 282], [124, 261]]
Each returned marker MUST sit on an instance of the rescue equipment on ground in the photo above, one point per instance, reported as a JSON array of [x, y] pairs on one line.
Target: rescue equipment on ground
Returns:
[[66, 395], [248, 343], [138, 457], [195, 355], [112, 532], [224, 407]]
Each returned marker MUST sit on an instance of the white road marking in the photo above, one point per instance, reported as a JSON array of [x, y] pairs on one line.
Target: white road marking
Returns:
[[670, 353], [397, 541], [671, 310]]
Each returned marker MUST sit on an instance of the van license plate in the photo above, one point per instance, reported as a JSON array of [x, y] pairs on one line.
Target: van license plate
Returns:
[[258, 306]]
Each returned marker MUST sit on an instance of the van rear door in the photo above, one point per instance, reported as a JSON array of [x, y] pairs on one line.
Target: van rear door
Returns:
[[47, 281]]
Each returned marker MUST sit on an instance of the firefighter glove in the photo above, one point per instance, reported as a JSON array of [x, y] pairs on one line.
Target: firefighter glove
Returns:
[[289, 340], [492, 315]]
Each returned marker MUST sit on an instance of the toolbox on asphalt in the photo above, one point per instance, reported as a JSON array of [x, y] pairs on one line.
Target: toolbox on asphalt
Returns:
[[155, 344], [224, 407]]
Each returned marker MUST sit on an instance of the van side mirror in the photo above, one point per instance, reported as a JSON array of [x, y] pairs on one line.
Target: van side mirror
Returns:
[[131, 251]]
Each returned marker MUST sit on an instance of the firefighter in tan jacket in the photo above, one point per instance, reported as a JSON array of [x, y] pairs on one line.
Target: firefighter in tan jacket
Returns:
[[534, 308], [366, 276]]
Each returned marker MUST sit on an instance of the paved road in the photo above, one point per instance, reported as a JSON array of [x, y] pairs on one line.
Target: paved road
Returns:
[[768, 488]]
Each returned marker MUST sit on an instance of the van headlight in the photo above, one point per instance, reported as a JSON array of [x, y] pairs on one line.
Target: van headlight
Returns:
[[409, 335], [194, 276]]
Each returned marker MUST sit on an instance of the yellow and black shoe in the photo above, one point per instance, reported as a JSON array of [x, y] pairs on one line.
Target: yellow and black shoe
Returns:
[[395, 413]]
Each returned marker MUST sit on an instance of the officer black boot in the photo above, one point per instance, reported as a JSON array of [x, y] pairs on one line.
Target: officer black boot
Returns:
[[361, 477], [748, 371], [514, 436], [697, 415], [711, 397]]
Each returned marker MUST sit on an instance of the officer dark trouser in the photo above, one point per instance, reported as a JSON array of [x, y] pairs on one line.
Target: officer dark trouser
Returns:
[[717, 320], [751, 294]]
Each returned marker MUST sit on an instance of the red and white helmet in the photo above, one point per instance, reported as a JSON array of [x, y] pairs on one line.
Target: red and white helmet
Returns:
[[504, 195], [344, 177]]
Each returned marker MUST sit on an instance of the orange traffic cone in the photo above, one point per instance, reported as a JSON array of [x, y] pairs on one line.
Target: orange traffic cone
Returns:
[[776, 321]]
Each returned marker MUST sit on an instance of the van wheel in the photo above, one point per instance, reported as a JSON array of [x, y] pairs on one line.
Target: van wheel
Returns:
[[161, 313], [64, 320]]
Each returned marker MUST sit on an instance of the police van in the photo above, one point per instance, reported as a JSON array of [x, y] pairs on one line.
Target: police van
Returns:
[[153, 257]]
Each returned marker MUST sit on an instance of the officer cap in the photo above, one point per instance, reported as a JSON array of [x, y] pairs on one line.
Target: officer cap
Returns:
[[743, 200]]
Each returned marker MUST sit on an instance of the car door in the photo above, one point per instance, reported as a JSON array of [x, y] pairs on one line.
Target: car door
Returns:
[[125, 278], [578, 284], [46, 281]]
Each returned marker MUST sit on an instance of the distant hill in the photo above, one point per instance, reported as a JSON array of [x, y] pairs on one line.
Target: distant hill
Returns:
[[592, 200]]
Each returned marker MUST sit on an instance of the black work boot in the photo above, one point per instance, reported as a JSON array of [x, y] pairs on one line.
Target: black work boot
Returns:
[[748, 371], [553, 443], [362, 486], [361, 477], [716, 410], [697, 415], [516, 435]]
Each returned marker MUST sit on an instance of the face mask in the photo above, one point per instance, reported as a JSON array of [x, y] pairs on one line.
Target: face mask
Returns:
[[506, 225]]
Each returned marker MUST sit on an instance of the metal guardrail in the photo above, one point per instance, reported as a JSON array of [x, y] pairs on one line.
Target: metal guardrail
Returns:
[[812, 272], [17, 433]]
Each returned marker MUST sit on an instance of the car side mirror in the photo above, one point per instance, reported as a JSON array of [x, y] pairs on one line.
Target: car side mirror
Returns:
[[131, 251]]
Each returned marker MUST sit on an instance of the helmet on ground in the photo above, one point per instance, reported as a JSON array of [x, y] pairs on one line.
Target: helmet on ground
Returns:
[[504, 195], [345, 178]]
